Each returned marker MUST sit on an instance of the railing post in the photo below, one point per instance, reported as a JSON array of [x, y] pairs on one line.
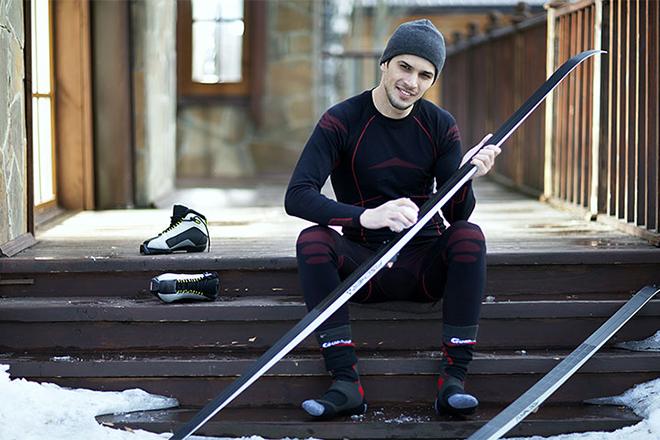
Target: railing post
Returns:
[[595, 123], [549, 105]]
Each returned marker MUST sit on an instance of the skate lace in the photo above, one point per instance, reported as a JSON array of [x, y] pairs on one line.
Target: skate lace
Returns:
[[208, 234], [174, 222], [192, 285]]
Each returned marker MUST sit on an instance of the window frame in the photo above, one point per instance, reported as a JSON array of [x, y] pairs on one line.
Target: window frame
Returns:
[[186, 87], [40, 206]]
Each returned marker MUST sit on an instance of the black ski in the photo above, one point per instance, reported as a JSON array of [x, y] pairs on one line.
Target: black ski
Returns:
[[366, 271], [536, 395]]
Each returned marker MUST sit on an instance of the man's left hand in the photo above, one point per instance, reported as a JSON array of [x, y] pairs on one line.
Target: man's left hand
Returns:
[[484, 159]]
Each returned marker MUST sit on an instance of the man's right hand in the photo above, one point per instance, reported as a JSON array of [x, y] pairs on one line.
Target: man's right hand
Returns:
[[396, 215]]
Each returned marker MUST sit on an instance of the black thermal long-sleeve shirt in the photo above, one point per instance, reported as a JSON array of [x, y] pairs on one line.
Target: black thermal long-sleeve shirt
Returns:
[[372, 159]]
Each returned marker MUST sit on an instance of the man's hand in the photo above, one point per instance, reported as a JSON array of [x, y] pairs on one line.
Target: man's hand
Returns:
[[484, 159], [396, 214]]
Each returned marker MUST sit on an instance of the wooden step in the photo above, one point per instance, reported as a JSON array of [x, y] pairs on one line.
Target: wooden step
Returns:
[[255, 323], [495, 377], [511, 274], [380, 422]]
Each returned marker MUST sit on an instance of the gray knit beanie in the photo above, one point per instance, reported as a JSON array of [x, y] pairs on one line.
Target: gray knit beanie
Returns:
[[419, 37]]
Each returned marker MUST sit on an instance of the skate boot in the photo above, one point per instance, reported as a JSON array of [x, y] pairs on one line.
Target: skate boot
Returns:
[[188, 232], [457, 348], [345, 396], [170, 287]]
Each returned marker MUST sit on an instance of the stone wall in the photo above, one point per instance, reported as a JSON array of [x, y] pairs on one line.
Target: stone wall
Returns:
[[13, 190], [221, 140], [214, 141], [154, 98], [291, 81]]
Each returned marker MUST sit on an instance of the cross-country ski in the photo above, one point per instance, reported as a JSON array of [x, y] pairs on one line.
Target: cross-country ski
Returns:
[[362, 275], [536, 395], [306, 219]]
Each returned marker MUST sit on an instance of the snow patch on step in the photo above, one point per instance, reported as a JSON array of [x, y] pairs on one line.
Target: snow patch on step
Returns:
[[652, 343], [38, 411], [643, 399]]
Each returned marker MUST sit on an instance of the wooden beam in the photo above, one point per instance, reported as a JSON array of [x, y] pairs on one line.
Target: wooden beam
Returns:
[[112, 111], [596, 111], [73, 101], [17, 245]]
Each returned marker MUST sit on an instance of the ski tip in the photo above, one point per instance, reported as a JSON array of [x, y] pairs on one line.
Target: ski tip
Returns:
[[590, 52]]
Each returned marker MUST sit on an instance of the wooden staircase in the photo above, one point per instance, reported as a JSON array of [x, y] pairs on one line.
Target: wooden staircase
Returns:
[[93, 324]]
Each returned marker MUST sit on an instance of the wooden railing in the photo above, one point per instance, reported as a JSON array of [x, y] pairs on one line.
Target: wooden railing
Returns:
[[630, 150], [605, 130], [485, 79], [598, 149], [572, 144]]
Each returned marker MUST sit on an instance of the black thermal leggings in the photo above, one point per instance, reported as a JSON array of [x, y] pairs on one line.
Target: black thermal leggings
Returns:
[[451, 267]]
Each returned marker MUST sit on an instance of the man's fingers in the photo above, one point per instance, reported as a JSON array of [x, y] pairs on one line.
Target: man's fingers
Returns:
[[486, 159], [407, 203], [481, 166], [404, 217], [409, 214], [491, 150]]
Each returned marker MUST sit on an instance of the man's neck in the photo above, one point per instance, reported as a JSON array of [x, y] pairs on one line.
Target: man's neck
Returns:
[[383, 105]]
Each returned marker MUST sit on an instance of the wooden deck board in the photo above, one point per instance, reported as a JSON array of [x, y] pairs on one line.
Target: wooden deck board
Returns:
[[403, 422], [247, 223]]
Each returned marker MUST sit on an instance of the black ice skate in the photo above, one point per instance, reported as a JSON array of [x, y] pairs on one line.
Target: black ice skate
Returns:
[[170, 287], [188, 232]]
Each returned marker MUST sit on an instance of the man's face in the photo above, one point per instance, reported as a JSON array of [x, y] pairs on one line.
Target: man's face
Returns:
[[406, 78]]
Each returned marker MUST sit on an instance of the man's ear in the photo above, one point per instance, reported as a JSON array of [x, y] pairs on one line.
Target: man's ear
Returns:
[[384, 65]]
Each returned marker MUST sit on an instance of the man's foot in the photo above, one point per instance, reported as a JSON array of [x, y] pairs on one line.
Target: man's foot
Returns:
[[170, 287], [187, 232], [342, 399], [452, 398]]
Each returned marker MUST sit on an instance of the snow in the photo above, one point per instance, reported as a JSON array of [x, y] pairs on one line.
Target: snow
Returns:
[[652, 343], [40, 411], [643, 399], [33, 411]]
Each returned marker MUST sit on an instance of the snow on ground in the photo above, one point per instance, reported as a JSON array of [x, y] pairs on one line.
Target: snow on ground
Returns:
[[643, 399], [652, 343], [33, 411]]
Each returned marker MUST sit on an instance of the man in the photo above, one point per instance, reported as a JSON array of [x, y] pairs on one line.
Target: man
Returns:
[[383, 150]]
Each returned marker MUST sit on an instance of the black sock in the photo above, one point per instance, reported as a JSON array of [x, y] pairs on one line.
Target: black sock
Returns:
[[340, 360], [457, 348]]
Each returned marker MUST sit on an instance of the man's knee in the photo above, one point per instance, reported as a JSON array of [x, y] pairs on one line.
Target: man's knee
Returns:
[[315, 245], [466, 242], [464, 230]]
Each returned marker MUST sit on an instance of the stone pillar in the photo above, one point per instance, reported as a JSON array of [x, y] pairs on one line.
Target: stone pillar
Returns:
[[13, 166], [154, 98]]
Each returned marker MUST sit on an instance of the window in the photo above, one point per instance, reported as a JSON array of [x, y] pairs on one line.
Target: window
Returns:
[[211, 47], [43, 144]]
